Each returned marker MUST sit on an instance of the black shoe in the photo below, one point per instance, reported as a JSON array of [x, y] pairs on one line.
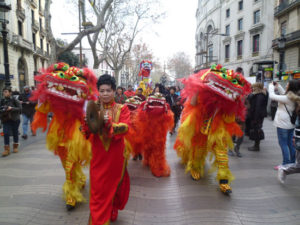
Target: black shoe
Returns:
[[140, 156], [135, 157], [70, 207], [24, 136], [237, 152]]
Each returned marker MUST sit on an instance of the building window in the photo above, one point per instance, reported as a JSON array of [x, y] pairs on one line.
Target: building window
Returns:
[[255, 47], [256, 17], [20, 28], [227, 30], [240, 48], [227, 52], [32, 16], [241, 5], [42, 44], [34, 41], [227, 13], [210, 54], [48, 48], [41, 24], [283, 28], [240, 24]]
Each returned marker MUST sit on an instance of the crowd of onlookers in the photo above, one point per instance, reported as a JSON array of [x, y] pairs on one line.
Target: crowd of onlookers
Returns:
[[13, 105]]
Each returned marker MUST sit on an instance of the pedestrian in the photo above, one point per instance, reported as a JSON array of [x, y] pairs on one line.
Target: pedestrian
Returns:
[[288, 169], [156, 90], [28, 110], [130, 92], [239, 140], [257, 113], [109, 179], [282, 121], [10, 109], [177, 91], [120, 97], [174, 102], [140, 94]]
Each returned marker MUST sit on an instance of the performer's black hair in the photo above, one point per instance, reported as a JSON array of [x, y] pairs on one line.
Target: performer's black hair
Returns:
[[107, 79]]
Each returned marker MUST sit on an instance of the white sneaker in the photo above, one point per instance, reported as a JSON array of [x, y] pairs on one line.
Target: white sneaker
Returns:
[[281, 175]]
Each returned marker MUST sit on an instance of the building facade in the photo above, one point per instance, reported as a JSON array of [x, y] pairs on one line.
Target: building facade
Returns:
[[287, 25], [28, 49], [241, 35]]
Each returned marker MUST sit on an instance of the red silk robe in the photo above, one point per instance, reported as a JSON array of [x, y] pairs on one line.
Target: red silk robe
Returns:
[[109, 179]]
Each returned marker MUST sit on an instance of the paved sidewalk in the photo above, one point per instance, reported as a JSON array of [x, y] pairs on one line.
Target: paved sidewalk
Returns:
[[31, 188]]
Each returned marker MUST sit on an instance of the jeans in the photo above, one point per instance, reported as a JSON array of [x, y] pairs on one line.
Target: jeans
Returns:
[[26, 119], [8, 127], [285, 139]]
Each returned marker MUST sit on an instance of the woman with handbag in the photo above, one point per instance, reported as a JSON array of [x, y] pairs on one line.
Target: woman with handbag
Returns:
[[10, 109], [284, 121], [257, 112]]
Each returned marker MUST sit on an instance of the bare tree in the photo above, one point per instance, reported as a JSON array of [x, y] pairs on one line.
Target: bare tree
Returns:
[[180, 65], [56, 49], [115, 41]]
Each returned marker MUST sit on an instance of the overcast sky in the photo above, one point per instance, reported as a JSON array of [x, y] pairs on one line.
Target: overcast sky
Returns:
[[175, 33]]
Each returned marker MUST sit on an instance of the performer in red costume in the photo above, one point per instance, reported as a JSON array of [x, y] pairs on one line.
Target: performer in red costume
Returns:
[[109, 179]]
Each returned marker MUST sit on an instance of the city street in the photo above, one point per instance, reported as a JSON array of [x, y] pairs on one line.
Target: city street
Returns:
[[31, 189]]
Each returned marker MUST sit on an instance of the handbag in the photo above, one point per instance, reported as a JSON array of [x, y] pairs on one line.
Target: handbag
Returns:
[[293, 117]]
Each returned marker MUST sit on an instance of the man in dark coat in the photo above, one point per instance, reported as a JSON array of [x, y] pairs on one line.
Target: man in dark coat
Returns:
[[175, 105], [28, 110]]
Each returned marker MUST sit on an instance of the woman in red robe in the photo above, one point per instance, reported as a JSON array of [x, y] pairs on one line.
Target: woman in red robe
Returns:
[[109, 180]]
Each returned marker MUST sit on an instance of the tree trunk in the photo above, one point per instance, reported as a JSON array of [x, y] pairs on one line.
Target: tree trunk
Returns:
[[117, 73]]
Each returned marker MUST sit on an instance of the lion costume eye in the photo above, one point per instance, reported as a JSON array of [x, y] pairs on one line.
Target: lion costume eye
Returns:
[[61, 75], [234, 81], [74, 78], [224, 75]]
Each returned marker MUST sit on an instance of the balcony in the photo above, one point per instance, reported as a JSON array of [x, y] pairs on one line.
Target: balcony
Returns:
[[17, 40], [291, 38], [39, 51], [41, 11], [33, 3], [285, 7], [35, 26], [43, 32], [20, 13]]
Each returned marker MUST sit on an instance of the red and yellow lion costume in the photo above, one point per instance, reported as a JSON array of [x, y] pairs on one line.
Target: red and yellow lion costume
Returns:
[[214, 100], [147, 136], [64, 91]]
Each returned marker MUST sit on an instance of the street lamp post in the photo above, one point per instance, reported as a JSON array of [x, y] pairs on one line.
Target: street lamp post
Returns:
[[3, 9], [281, 47]]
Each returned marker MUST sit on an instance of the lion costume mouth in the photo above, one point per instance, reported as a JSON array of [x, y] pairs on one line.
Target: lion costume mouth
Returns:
[[73, 92], [222, 87]]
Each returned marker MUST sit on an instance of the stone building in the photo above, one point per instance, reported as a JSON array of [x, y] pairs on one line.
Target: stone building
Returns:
[[287, 25], [234, 33], [28, 48]]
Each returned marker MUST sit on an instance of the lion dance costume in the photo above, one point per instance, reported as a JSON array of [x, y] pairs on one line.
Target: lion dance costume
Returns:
[[145, 70], [151, 123], [214, 100], [63, 90]]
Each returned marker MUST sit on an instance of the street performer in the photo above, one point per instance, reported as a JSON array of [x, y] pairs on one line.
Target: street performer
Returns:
[[109, 179]]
